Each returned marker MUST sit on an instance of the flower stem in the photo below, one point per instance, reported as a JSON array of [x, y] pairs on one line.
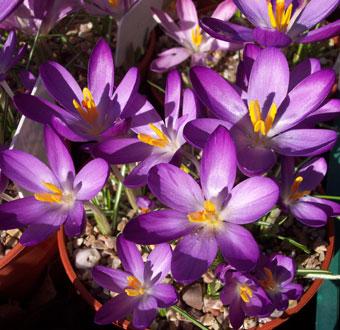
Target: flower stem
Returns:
[[101, 219], [6, 197], [333, 198], [118, 196], [189, 317], [193, 159], [32, 49], [7, 89], [317, 273]]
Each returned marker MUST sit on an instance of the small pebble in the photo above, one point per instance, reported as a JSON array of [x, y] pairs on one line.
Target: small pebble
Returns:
[[87, 258]]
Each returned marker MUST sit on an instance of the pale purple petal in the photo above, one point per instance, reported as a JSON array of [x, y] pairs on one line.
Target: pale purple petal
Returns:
[[130, 257], [293, 291], [238, 246], [35, 234], [328, 111], [169, 59], [225, 10], [91, 179], [118, 129], [218, 165], [76, 220], [173, 91], [165, 295], [325, 32], [158, 227], [267, 37], [308, 213], [116, 308], [302, 71], [193, 255], [331, 208], [7, 7], [144, 312], [255, 11], [187, 14], [66, 131], [175, 188], [250, 200], [114, 280]]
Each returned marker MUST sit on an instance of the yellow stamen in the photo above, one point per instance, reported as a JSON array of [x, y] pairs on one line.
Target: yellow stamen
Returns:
[[90, 113], [256, 119], [196, 36], [137, 287], [114, 3], [270, 283], [294, 194], [281, 19], [161, 142], [208, 214], [184, 168], [246, 293], [57, 195]]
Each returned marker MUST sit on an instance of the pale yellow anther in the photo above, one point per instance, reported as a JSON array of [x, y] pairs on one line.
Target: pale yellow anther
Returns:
[[281, 19], [196, 36], [55, 196], [161, 142], [87, 109], [137, 287], [184, 168], [52, 187], [246, 293], [255, 116], [270, 117], [114, 3], [294, 194], [208, 214], [209, 207], [254, 112]]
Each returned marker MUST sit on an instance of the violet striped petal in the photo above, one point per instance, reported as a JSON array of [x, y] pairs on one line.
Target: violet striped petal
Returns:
[[302, 71], [328, 111], [165, 295], [76, 220], [114, 280], [267, 37], [255, 11], [225, 10], [35, 234], [145, 312], [310, 214], [331, 208], [325, 32], [67, 131]]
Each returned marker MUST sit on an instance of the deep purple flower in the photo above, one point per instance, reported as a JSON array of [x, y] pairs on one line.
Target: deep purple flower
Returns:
[[58, 192], [145, 204], [275, 274], [7, 7], [98, 112], [139, 286], [209, 217], [7, 55], [294, 191], [277, 23], [245, 297], [114, 8], [263, 118], [28, 80], [39, 15], [157, 141], [187, 33]]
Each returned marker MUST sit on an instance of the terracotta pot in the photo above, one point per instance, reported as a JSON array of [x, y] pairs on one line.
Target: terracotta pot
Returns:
[[21, 268], [267, 326]]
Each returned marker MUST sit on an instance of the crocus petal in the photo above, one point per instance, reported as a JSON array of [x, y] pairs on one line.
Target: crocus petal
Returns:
[[8, 50], [59, 158], [100, 71], [218, 165], [130, 257], [293, 291], [197, 131], [271, 38], [217, 94], [157, 265], [332, 209], [60, 84], [304, 142], [309, 214], [303, 100], [187, 14], [236, 315], [325, 32], [37, 233], [302, 71], [225, 10], [238, 246], [7, 7], [18, 56], [123, 151], [26, 170], [28, 79], [226, 31], [66, 131], [193, 255], [145, 312], [158, 227], [256, 12], [91, 179], [269, 78], [165, 295], [175, 188], [116, 308], [127, 89], [76, 220], [250, 200], [172, 99], [114, 280], [169, 59]]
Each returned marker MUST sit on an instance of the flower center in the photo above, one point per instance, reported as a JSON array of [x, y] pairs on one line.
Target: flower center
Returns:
[[281, 19], [294, 194], [161, 142], [196, 36], [57, 196], [245, 293], [255, 116], [88, 109], [208, 214], [114, 3], [138, 289], [268, 284]]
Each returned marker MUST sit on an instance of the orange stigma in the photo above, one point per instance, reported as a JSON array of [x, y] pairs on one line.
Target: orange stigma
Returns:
[[294, 194], [114, 3], [208, 214], [138, 289], [88, 109], [56, 196]]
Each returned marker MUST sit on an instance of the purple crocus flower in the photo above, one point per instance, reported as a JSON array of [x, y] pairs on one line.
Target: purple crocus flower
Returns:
[[7, 55], [7, 7], [263, 118], [275, 274], [157, 141], [188, 34], [294, 191], [145, 204], [114, 8], [39, 15], [58, 192], [277, 22], [209, 217], [98, 112], [245, 297], [139, 286]]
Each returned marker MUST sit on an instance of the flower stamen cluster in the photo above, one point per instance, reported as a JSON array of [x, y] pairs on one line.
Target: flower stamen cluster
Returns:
[[91, 113], [256, 119], [138, 288], [294, 189], [57, 195], [161, 142], [196, 36], [245, 293], [281, 19]]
